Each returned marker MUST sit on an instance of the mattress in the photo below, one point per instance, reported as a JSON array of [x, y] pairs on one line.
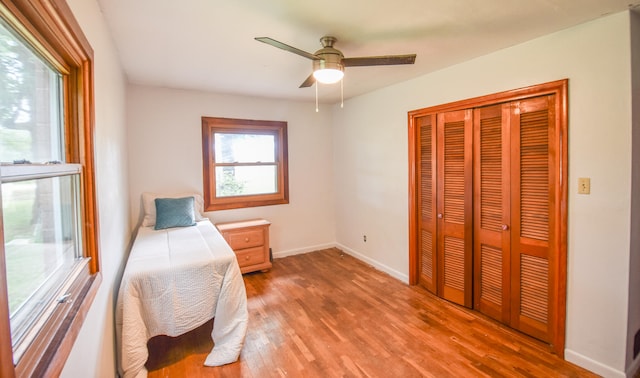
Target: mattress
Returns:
[[176, 280]]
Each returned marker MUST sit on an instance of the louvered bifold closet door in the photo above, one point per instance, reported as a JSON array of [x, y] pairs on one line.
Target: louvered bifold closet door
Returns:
[[492, 279], [533, 128], [454, 206], [426, 166]]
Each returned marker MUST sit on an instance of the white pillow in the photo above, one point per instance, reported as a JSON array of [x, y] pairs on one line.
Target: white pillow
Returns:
[[149, 205]]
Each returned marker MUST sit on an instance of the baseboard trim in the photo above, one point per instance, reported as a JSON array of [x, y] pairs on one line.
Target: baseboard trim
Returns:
[[390, 271], [299, 251], [592, 365]]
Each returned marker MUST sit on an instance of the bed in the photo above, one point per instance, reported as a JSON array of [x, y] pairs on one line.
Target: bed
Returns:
[[175, 280]]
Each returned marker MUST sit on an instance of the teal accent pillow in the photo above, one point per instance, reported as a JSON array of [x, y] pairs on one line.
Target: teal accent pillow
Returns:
[[174, 212]]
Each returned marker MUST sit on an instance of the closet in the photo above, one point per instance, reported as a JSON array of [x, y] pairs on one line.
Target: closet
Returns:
[[488, 206]]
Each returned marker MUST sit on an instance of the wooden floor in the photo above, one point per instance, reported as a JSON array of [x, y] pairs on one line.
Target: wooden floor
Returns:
[[327, 314]]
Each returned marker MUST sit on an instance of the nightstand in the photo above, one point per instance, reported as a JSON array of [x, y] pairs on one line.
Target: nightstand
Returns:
[[250, 241]]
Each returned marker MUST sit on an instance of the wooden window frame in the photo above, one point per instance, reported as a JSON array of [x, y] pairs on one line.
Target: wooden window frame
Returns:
[[211, 125], [51, 29]]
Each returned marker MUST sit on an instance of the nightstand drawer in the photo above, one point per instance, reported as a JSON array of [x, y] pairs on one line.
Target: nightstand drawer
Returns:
[[250, 256], [246, 239], [249, 240]]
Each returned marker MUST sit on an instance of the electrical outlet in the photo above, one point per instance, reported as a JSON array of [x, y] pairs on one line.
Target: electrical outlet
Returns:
[[584, 185], [364, 238]]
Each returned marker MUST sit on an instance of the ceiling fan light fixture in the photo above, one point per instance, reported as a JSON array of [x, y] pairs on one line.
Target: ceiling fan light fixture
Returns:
[[329, 69], [328, 75], [329, 62]]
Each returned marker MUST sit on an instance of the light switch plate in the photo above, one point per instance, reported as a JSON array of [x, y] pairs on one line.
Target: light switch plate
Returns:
[[584, 185]]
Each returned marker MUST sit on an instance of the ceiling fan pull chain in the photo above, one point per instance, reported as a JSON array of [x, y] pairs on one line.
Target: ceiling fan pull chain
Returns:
[[317, 96], [342, 93]]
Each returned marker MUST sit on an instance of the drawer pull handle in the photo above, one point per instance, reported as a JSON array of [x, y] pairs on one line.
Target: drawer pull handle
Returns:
[[246, 240], [246, 258]]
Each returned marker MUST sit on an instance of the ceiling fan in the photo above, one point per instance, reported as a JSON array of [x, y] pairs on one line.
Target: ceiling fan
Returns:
[[329, 62]]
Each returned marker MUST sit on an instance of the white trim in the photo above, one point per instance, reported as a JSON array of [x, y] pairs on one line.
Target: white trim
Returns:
[[299, 251], [390, 271], [592, 365]]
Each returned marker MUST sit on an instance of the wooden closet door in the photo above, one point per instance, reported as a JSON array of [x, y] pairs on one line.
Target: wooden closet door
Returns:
[[500, 184], [454, 206], [533, 192], [491, 201], [426, 167]]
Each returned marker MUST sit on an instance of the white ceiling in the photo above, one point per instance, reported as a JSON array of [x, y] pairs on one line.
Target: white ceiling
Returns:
[[209, 44]]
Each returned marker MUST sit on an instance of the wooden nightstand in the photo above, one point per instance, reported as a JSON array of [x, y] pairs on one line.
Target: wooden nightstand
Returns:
[[250, 241]]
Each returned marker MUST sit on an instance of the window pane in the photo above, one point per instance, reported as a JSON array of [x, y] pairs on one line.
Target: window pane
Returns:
[[29, 104], [246, 180], [244, 148], [42, 243]]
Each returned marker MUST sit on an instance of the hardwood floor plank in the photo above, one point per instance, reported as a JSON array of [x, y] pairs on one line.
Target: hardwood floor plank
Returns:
[[327, 314]]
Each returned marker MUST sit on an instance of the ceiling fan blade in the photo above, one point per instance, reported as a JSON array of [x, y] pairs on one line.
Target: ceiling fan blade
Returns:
[[309, 82], [280, 45], [379, 60]]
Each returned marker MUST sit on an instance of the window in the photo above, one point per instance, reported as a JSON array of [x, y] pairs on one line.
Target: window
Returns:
[[49, 271], [245, 163]]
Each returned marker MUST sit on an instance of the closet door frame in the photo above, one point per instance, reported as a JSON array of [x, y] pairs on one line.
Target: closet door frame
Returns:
[[558, 287]]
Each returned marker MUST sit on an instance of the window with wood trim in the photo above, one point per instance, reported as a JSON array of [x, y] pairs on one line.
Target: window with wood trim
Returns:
[[49, 263], [245, 163]]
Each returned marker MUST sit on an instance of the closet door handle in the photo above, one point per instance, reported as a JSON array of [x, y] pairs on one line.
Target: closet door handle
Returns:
[[505, 227], [440, 215]]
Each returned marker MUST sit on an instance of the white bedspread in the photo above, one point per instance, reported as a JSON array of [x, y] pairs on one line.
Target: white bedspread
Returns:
[[175, 281]]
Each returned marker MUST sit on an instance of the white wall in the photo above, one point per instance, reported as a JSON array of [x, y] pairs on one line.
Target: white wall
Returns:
[[93, 354], [371, 178], [165, 156]]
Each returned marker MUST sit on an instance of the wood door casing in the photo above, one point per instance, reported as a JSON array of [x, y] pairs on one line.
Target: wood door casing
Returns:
[[453, 206]]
